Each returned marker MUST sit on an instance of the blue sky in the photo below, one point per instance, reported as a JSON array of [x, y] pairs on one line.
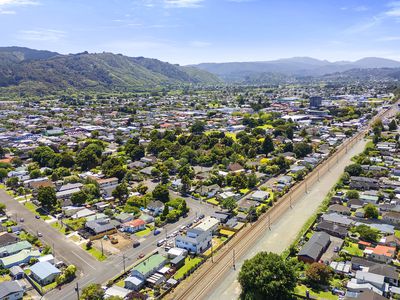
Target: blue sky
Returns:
[[192, 31]]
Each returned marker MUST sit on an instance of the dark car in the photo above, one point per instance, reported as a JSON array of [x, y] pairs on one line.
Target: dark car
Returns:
[[156, 232], [135, 244], [37, 217]]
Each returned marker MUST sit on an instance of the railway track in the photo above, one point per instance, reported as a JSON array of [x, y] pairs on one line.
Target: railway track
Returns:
[[208, 274]]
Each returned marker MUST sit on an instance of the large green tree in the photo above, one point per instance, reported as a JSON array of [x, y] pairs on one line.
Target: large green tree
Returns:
[[267, 276], [161, 193], [92, 292], [47, 197], [267, 145]]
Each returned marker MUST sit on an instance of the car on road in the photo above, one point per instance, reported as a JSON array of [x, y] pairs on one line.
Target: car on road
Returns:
[[160, 242], [141, 255], [135, 244], [21, 220], [156, 232], [39, 234], [201, 216], [37, 217]]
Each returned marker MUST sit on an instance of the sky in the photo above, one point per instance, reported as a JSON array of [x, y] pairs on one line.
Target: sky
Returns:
[[195, 31]]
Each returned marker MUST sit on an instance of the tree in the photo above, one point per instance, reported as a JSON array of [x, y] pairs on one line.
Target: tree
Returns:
[[302, 149], [79, 198], [371, 211], [229, 203], [392, 125], [267, 145], [121, 192], [89, 157], [197, 127], [353, 169], [353, 194], [186, 184], [47, 197], [2, 152], [267, 276], [367, 233], [164, 177], [93, 291], [44, 156], [3, 174], [2, 208], [318, 273], [161, 193]]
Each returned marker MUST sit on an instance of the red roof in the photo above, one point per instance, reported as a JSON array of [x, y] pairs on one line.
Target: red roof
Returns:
[[135, 223]]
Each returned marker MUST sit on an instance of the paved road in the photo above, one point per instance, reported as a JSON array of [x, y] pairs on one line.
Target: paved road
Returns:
[[65, 249]]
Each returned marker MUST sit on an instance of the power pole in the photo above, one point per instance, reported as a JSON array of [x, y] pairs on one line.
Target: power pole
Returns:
[[269, 221], [212, 257], [54, 250], [77, 290], [102, 249], [290, 200], [233, 259], [123, 260]]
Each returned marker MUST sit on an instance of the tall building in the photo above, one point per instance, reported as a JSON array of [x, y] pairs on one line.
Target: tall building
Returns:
[[315, 102]]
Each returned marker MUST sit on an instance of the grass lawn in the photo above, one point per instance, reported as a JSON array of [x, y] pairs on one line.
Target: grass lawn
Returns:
[[397, 233], [216, 243], [95, 253], [45, 288], [226, 232], [144, 232], [244, 191], [35, 210], [74, 238], [213, 201], [120, 283], [231, 135], [353, 249], [2, 186], [5, 278], [189, 264], [59, 227], [266, 126], [301, 291]]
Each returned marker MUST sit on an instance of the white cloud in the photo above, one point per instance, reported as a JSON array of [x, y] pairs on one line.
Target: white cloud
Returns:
[[18, 2], [7, 12], [183, 3], [41, 35]]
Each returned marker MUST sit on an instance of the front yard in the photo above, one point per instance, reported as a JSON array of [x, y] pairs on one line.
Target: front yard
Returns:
[[301, 291], [35, 210], [353, 249], [95, 253], [190, 263]]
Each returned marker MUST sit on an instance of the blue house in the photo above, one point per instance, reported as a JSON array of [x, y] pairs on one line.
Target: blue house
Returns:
[[44, 272]]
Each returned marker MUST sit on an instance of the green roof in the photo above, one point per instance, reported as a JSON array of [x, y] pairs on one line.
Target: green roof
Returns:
[[16, 247], [150, 264], [18, 258]]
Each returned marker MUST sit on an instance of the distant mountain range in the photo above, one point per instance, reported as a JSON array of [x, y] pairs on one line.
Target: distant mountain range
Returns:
[[27, 72], [296, 66], [34, 72]]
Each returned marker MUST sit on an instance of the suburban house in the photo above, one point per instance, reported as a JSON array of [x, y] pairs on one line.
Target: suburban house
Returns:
[[365, 280], [208, 191], [134, 226], [260, 196], [196, 240], [144, 270], [332, 229], [155, 207], [337, 219], [22, 257], [209, 224], [380, 253], [314, 248], [339, 209], [235, 168], [101, 225], [44, 272], [391, 217], [11, 290], [364, 183], [14, 248]]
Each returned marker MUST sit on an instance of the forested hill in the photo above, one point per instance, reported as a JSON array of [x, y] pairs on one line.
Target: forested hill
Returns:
[[26, 71]]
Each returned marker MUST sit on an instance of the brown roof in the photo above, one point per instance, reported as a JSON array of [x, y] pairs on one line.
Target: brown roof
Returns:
[[46, 183], [235, 167]]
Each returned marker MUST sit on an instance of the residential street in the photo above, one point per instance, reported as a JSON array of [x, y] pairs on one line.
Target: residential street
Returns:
[[65, 249]]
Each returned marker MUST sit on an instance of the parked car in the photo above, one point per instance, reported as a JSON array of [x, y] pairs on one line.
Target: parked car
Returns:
[[135, 244], [21, 220], [201, 216], [39, 234], [141, 255], [157, 231], [160, 242], [37, 217]]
